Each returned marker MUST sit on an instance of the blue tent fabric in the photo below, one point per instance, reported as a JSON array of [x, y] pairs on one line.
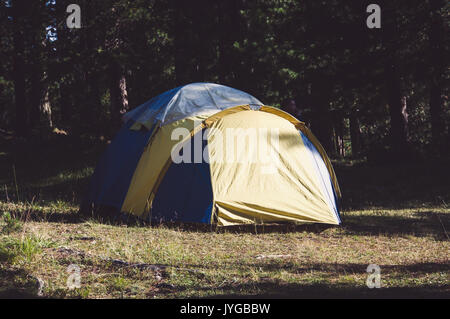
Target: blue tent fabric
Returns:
[[152, 107], [189, 100], [112, 176], [185, 193]]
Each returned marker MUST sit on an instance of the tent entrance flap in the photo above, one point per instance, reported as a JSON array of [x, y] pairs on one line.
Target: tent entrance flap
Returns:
[[185, 193], [152, 166]]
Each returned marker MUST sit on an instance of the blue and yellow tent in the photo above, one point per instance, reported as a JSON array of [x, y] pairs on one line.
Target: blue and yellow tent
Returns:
[[138, 174]]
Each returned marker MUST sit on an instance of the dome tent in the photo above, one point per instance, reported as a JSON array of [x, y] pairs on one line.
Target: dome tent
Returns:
[[139, 175]]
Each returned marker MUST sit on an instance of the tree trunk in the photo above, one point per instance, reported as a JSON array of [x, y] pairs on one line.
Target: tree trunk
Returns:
[[35, 95], [66, 92], [322, 124], [67, 106], [91, 111], [396, 101], [21, 116], [397, 111], [355, 133], [118, 94], [201, 34], [46, 110], [436, 41], [181, 41], [91, 108], [37, 67], [338, 120], [230, 30]]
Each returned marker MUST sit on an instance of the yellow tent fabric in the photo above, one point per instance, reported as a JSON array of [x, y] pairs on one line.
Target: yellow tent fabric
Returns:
[[305, 130], [283, 189], [246, 189]]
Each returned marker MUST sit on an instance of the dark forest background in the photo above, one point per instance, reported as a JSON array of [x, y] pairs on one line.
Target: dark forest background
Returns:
[[375, 93]]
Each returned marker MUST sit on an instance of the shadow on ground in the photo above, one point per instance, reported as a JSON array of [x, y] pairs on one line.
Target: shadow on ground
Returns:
[[297, 291], [428, 223], [394, 186], [422, 224], [53, 217], [276, 289], [17, 284]]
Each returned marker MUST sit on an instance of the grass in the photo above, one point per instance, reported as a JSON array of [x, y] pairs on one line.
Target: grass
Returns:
[[394, 216], [11, 224], [22, 250]]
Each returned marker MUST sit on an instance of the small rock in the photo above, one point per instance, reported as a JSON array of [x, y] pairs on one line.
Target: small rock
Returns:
[[40, 286]]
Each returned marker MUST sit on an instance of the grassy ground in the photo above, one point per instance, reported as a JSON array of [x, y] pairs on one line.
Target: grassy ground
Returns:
[[397, 217]]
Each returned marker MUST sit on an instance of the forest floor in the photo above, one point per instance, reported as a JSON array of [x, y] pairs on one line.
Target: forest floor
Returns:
[[396, 216]]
